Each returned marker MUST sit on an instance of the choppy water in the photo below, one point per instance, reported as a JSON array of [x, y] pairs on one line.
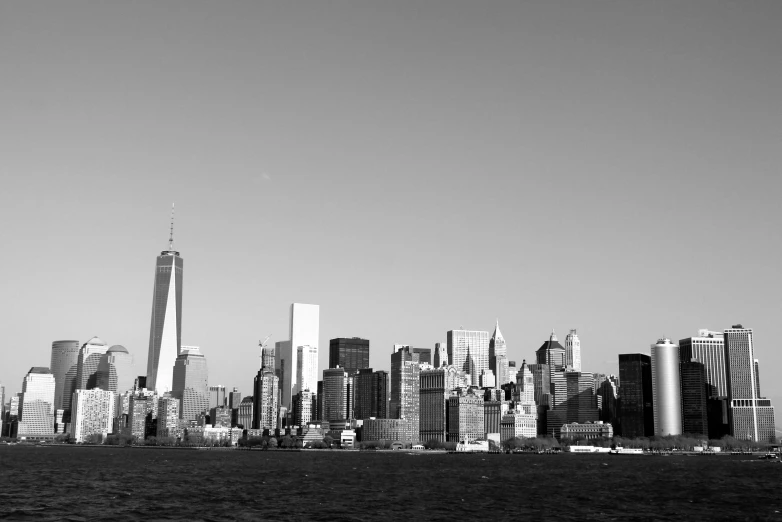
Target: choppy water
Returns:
[[73, 483]]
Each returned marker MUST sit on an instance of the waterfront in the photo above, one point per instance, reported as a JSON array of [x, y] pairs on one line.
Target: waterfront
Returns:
[[72, 483]]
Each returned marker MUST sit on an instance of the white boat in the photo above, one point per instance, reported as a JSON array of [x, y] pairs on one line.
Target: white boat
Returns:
[[619, 450]]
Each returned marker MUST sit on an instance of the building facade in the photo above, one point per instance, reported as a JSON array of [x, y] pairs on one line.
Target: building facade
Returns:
[[385, 429], [435, 388], [90, 355], [498, 356], [304, 331], [692, 376], [36, 404], [371, 397], [307, 363], [708, 348], [165, 331], [589, 430], [636, 409], [92, 414], [168, 421], [64, 366], [335, 395], [750, 416], [468, 351], [466, 420], [350, 353], [245, 418], [265, 400], [666, 388], [116, 371], [405, 390], [573, 351], [191, 382]]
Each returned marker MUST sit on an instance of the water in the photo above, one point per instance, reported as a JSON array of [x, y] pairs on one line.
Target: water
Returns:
[[110, 483]]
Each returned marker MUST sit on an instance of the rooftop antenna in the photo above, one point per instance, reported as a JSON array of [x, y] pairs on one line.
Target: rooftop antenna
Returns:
[[171, 235]]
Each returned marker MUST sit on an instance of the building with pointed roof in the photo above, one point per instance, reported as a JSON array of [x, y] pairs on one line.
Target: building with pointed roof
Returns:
[[498, 356]]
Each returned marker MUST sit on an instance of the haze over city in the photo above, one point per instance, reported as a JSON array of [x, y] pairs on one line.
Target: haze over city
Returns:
[[409, 168]]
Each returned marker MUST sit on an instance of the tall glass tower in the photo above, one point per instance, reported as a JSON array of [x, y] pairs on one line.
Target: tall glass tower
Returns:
[[165, 333]]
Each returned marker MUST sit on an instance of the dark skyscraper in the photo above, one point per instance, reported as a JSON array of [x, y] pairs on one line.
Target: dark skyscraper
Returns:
[[371, 398], [636, 406], [65, 362], [349, 353], [165, 332], [692, 376], [424, 355]]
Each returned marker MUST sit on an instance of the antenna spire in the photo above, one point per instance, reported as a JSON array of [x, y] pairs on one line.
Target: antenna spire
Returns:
[[171, 235]]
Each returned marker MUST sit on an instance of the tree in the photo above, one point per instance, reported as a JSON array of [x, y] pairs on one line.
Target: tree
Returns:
[[433, 444], [328, 440], [272, 443]]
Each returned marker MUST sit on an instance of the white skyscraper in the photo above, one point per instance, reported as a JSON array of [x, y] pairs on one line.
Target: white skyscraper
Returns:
[[36, 405], [93, 413], [573, 351], [304, 331], [498, 356], [307, 368]]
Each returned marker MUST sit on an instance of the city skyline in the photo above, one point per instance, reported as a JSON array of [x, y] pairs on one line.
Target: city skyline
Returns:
[[650, 132]]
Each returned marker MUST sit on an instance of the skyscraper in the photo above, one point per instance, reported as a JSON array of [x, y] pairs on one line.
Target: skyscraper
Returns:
[[168, 424], [93, 412], [424, 355], [306, 363], [371, 397], [498, 356], [692, 376], [405, 389], [335, 395], [436, 386], [217, 396], [265, 400], [116, 371], [708, 348], [36, 405], [750, 417], [580, 404], [165, 332], [304, 331], [468, 350], [350, 353], [552, 354], [191, 382], [440, 355], [64, 366], [573, 351], [87, 366], [666, 388], [636, 398]]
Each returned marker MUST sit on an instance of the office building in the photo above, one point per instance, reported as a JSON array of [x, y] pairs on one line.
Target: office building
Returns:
[[87, 366], [666, 388], [395, 430], [424, 355], [282, 350], [234, 398], [517, 424], [116, 370], [190, 382], [525, 385], [142, 415], [405, 389], [468, 350], [440, 355], [36, 404], [573, 351], [435, 388], [269, 357], [168, 421], [304, 331], [92, 414], [64, 366], [751, 417], [217, 396], [265, 400], [165, 331], [245, 418], [371, 397], [220, 416], [587, 430], [492, 417], [512, 371], [708, 348], [465, 416], [307, 363], [303, 407], [498, 356], [607, 391], [580, 405], [349, 353], [692, 376], [335, 395], [636, 409]]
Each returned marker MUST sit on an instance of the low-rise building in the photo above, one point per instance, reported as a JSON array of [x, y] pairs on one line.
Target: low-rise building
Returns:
[[384, 429], [588, 430]]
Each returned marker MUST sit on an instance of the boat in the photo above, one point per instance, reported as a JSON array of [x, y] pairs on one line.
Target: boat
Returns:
[[619, 450], [769, 456]]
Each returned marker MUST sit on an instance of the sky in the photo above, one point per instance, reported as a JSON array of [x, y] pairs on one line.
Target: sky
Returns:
[[411, 167]]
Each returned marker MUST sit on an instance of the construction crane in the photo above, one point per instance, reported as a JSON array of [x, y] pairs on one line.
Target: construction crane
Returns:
[[262, 344]]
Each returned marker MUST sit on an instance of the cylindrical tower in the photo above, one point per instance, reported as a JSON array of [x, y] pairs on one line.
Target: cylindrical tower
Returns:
[[666, 390]]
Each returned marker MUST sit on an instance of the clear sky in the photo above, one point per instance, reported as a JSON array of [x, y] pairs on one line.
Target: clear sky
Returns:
[[411, 167]]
